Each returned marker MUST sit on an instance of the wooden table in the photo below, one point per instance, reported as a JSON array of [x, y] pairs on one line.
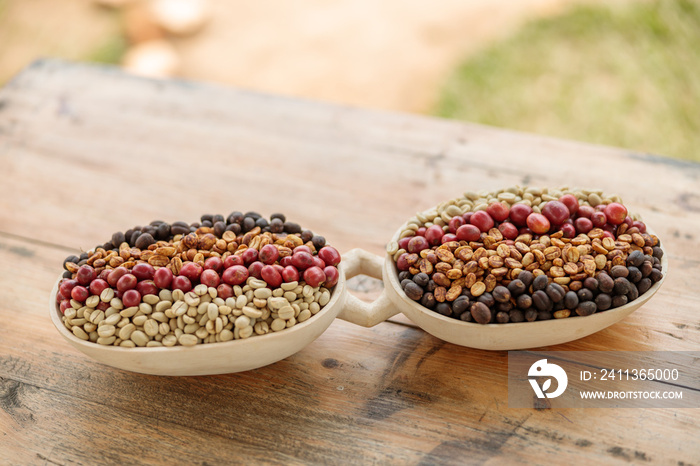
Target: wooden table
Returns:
[[86, 151]]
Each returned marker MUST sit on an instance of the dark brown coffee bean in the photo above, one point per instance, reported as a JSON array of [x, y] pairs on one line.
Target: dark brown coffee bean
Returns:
[[219, 229], [586, 308], [253, 214], [524, 301], [67, 274], [83, 257], [179, 228], [619, 271], [276, 226], [428, 300], [460, 305], [540, 283], [555, 292], [144, 240], [541, 301], [619, 300], [584, 294], [444, 309], [487, 299], [531, 314], [544, 315], [206, 218], [506, 307], [466, 317], [656, 275], [318, 241], [405, 275], [622, 285], [632, 294], [603, 301], [134, 236], [412, 290], [278, 216], [591, 283], [501, 294], [405, 282], [249, 223], [481, 313], [516, 316], [163, 232], [526, 277], [605, 283], [234, 227], [635, 258], [207, 224], [117, 239], [516, 287], [643, 285], [292, 228], [307, 235], [431, 286], [658, 252], [74, 259], [502, 317], [421, 279], [634, 274], [570, 300]]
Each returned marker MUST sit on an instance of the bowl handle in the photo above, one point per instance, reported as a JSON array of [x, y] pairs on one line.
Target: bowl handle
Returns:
[[360, 262]]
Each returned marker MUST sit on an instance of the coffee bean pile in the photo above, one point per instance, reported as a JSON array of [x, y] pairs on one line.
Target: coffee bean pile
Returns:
[[204, 282], [505, 272]]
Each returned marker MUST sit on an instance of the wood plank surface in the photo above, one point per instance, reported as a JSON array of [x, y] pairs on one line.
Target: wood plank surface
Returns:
[[86, 151]]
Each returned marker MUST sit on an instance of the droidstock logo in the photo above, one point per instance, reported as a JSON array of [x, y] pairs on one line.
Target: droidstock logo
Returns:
[[543, 369]]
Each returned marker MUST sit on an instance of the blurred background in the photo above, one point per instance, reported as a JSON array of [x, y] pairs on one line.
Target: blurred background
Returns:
[[623, 73]]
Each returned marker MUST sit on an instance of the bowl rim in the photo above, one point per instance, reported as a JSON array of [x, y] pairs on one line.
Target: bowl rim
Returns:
[[618, 312], [339, 290]]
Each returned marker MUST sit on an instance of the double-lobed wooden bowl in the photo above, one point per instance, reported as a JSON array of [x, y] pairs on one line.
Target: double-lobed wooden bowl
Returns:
[[258, 351]]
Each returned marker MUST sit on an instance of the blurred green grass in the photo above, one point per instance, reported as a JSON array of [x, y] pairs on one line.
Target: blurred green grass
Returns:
[[626, 76]]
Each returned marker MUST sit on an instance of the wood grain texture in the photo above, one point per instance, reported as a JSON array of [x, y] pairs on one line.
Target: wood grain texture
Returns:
[[87, 151]]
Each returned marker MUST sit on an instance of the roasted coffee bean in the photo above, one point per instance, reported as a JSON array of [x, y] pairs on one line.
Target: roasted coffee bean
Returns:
[[540, 283], [318, 241], [634, 274], [134, 236], [502, 317], [444, 309], [249, 223], [278, 216], [558, 306], [619, 271], [291, 227], [206, 218], [524, 301], [516, 316], [555, 292], [504, 306], [405, 282], [460, 305], [658, 252], [531, 314], [605, 283], [428, 300], [254, 215], [431, 286], [586, 308], [591, 283], [421, 279], [585, 294], [412, 290], [219, 229], [466, 317], [235, 217], [117, 239], [163, 232], [405, 275], [544, 315], [276, 225], [67, 274], [74, 259], [218, 218], [235, 228], [516, 287], [179, 228], [144, 240], [526, 277], [481, 313], [603, 301], [619, 300], [622, 285], [541, 301], [207, 223], [501, 294], [487, 299], [632, 294], [307, 235], [656, 275], [571, 300], [636, 258], [644, 285]]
